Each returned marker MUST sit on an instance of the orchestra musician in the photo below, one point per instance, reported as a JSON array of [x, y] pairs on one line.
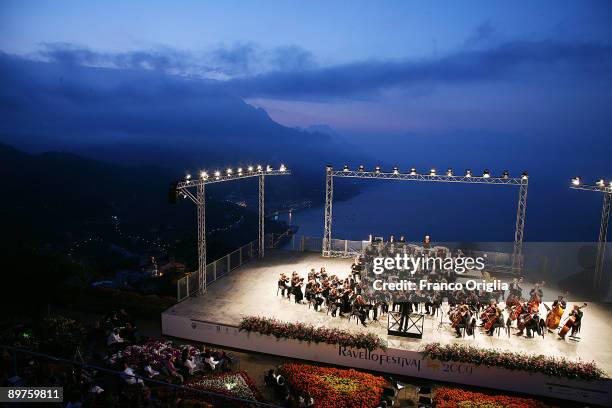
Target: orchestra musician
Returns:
[[529, 320], [283, 280], [495, 320], [461, 316], [577, 313]]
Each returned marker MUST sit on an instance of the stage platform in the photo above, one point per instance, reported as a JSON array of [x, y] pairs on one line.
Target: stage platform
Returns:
[[252, 290]]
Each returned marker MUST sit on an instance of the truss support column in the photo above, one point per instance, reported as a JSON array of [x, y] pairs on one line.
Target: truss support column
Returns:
[[201, 208], [262, 216], [517, 253], [603, 239], [329, 195]]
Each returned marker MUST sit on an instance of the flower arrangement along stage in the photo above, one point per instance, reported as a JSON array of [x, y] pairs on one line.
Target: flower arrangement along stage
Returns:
[[446, 397], [559, 367], [236, 384], [311, 334], [334, 387]]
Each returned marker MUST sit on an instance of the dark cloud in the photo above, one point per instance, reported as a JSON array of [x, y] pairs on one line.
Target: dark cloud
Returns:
[[291, 72], [513, 61]]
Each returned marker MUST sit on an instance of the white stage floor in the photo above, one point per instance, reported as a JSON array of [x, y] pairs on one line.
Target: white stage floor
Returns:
[[251, 290]]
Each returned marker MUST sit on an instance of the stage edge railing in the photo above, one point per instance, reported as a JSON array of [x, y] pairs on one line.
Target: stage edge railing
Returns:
[[188, 284]]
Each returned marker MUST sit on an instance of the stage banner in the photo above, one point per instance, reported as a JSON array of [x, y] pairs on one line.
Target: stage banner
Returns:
[[390, 361]]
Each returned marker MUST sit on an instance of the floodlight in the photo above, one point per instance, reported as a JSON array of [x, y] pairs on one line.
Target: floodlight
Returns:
[[395, 170], [346, 168], [468, 173], [362, 168], [486, 174], [576, 181], [282, 168], [449, 172], [413, 172], [524, 176], [432, 172], [505, 174]]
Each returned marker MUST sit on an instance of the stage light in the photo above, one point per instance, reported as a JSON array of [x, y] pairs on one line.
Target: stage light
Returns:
[[346, 168], [229, 171], [449, 172], [362, 168], [239, 170], [432, 172], [268, 168], [250, 169], [187, 176], [395, 170], [524, 176], [576, 181], [217, 174], [505, 174], [601, 183], [413, 172], [282, 168], [204, 175], [486, 174], [377, 169], [468, 173], [259, 167]]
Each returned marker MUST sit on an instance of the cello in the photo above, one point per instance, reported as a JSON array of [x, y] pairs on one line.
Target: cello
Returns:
[[569, 323]]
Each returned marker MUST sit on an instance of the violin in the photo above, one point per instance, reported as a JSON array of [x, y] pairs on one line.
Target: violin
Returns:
[[569, 323]]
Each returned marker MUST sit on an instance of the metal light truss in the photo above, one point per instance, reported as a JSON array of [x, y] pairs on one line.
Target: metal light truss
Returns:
[[187, 187], [603, 226], [522, 182]]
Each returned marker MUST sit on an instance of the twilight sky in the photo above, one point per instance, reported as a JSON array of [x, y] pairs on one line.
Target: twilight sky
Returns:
[[361, 67]]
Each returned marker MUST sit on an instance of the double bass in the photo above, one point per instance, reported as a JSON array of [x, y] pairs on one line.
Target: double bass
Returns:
[[569, 323], [553, 318]]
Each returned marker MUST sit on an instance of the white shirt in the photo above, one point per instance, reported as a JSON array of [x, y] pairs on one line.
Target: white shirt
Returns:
[[113, 338], [211, 362]]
